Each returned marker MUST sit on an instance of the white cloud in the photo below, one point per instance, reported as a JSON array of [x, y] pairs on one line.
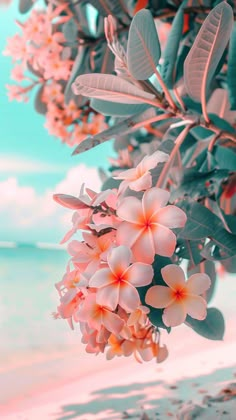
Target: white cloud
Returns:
[[27, 216], [16, 165]]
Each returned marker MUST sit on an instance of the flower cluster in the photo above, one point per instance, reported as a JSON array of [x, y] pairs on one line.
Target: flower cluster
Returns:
[[42, 59], [123, 230]]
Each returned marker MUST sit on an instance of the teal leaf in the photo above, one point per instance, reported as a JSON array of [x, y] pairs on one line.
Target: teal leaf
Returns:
[[115, 109], [155, 314], [171, 49], [231, 79], [212, 327], [206, 52], [109, 87], [189, 250], [123, 127], [81, 65], [25, 5], [225, 157], [70, 30], [143, 48], [39, 105]]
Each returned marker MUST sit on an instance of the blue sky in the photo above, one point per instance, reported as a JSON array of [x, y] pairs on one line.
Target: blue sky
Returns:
[[30, 158]]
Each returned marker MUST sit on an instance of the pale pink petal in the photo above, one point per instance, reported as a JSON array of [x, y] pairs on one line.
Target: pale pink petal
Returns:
[[162, 354], [146, 353], [112, 322], [153, 200], [195, 307], [128, 233], [164, 240], [198, 283], [102, 277], [129, 298], [171, 217], [174, 315], [129, 174], [108, 296], [159, 296], [139, 274], [119, 259], [142, 183], [174, 276], [143, 249], [151, 161], [130, 209]]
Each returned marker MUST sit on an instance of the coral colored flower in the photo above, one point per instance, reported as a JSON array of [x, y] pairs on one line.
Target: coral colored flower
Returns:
[[139, 178], [181, 297], [117, 283], [146, 226], [96, 315]]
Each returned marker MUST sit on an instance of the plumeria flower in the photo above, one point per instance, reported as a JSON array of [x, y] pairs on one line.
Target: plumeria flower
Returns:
[[140, 178], [147, 223], [180, 297], [117, 283], [96, 315]]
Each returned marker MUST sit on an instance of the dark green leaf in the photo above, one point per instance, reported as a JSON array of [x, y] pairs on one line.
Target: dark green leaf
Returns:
[[213, 327], [70, 30], [25, 5], [171, 49], [39, 105], [189, 250], [143, 48], [225, 157], [231, 79]]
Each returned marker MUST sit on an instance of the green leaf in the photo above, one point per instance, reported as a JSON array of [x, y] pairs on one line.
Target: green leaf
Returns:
[[109, 87], [225, 157], [81, 65], [25, 5], [39, 105], [155, 315], [119, 129], [221, 123], [143, 48], [70, 30], [202, 223], [116, 109], [171, 49], [189, 250], [207, 267], [213, 327], [231, 79], [198, 185], [206, 52]]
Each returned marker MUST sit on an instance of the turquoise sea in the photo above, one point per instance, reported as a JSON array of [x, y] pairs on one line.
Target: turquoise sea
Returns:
[[27, 299]]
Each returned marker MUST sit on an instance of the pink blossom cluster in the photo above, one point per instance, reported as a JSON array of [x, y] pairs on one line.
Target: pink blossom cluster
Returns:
[[121, 232], [41, 58]]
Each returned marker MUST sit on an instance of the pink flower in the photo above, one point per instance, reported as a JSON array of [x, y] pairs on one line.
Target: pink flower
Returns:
[[146, 226], [181, 297], [139, 178], [117, 283], [96, 315]]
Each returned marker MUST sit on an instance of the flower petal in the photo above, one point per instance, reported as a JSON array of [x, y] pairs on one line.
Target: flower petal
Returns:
[[128, 233], [108, 296], [196, 307], [159, 296], [130, 209], [173, 276], [151, 161], [198, 283], [119, 259], [174, 315], [129, 298], [102, 277], [171, 217], [164, 240], [112, 322], [142, 183], [153, 200], [139, 274], [143, 248]]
